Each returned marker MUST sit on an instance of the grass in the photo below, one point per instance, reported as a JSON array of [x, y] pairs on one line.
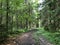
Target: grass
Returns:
[[52, 37]]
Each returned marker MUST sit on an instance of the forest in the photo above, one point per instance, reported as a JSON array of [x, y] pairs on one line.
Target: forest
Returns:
[[29, 22]]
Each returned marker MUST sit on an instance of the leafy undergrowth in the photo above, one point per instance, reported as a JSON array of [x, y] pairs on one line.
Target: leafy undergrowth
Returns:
[[54, 38]]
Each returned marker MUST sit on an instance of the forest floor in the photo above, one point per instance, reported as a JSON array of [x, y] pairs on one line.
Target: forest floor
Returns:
[[25, 39]]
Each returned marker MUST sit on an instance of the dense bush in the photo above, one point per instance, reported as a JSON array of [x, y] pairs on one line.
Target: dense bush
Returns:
[[54, 38], [50, 15]]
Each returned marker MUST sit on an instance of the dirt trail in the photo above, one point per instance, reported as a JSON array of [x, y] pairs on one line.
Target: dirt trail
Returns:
[[25, 39], [28, 39]]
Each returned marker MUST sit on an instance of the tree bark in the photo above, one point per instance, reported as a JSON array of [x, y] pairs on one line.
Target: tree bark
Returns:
[[7, 13], [1, 13]]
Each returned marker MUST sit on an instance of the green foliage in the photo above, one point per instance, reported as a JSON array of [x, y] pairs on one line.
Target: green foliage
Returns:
[[50, 15], [17, 16], [54, 38]]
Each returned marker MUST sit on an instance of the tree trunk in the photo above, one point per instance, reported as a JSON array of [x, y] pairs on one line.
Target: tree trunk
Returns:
[[17, 21], [7, 13], [12, 24], [1, 13], [26, 23], [39, 23]]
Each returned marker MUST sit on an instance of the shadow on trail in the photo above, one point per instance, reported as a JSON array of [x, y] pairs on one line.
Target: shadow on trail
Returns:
[[28, 39]]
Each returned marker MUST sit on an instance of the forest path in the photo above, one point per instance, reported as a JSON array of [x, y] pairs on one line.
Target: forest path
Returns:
[[28, 39]]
